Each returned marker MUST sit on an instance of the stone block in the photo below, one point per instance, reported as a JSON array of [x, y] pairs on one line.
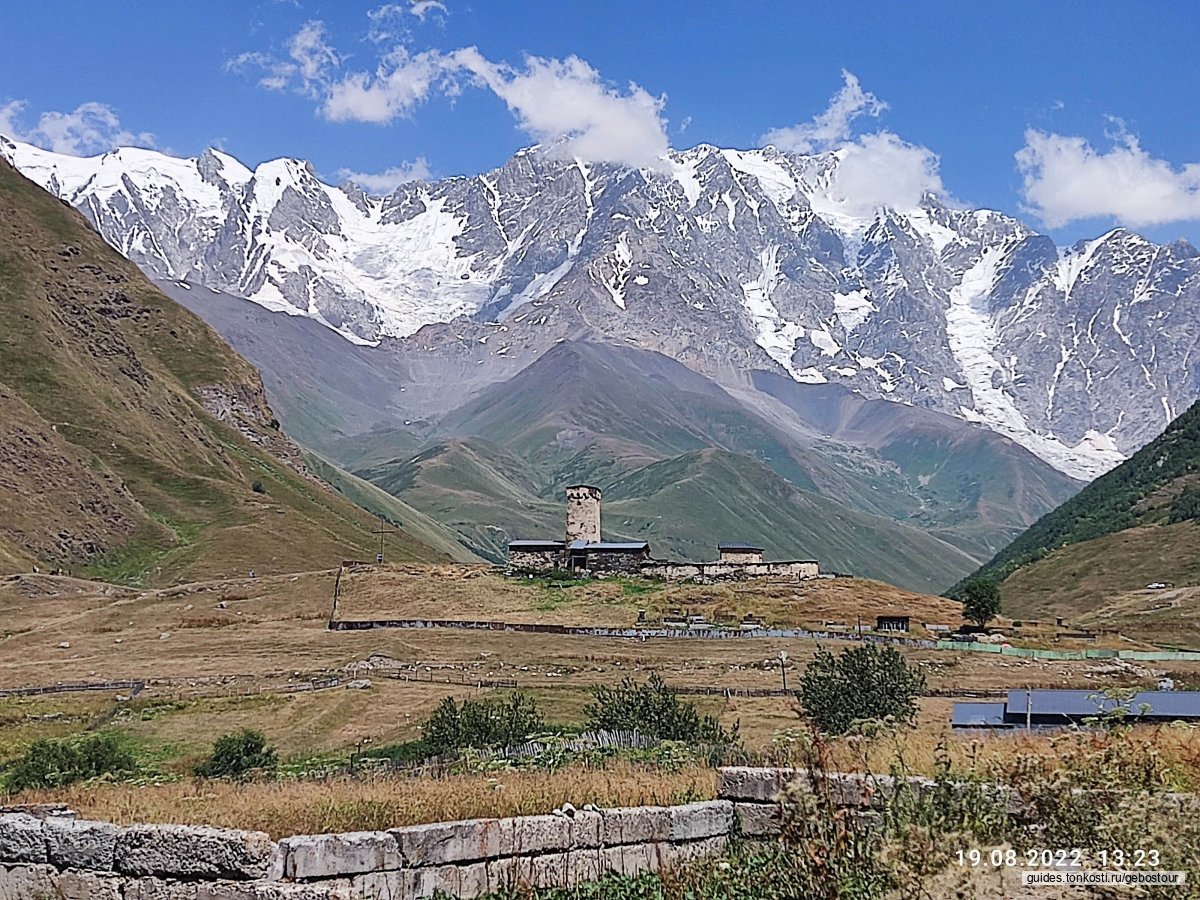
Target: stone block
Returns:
[[193, 852], [634, 825], [756, 785], [159, 889], [693, 821], [550, 870], [631, 859], [682, 854], [336, 889], [584, 865], [396, 885], [80, 844], [531, 835], [454, 842], [330, 855], [584, 829], [88, 886], [22, 839], [26, 882], [757, 820]]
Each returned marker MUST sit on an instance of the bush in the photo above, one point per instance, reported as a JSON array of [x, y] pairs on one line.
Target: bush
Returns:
[[51, 763], [258, 488], [655, 710], [237, 755], [865, 683], [981, 601], [482, 724]]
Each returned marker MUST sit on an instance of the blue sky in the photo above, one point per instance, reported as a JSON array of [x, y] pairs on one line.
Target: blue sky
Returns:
[[1101, 98]]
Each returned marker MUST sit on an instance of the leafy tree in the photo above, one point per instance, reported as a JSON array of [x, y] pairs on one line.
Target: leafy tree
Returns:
[[1186, 506], [237, 755], [655, 710], [981, 601], [482, 723], [53, 763], [863, 683]]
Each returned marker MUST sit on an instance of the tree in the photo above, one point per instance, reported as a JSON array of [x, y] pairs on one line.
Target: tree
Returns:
[[981, 601], [867, 682], [655, 710], [239, 754], [482, 723]]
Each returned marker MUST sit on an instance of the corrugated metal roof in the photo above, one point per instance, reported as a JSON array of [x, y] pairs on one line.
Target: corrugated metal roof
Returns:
[[737, 545], [1079, 704], [977, 715], [531, 545]]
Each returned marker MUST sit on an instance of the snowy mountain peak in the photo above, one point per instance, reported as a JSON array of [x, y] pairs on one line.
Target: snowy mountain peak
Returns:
[[728, 259]]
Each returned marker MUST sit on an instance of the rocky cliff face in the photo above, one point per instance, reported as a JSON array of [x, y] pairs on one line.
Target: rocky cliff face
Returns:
[[727, 261]]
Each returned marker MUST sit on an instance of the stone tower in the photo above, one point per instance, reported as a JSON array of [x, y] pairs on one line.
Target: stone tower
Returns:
[[583, 513]]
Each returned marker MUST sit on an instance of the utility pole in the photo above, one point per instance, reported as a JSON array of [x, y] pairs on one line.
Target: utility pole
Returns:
[[1028, 709], [381, 531]]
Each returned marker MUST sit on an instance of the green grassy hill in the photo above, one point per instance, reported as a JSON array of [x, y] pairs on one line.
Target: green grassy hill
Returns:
[[1133, 526], [1158, 485], [134, 444], [684, 505], [920, 500]]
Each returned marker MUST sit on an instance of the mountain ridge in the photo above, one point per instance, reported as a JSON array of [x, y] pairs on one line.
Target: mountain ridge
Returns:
[[733, 260]]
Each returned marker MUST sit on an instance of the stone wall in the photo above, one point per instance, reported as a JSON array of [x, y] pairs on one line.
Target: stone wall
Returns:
[[54, 856], [51, 855], [539, 561], [729, 571]]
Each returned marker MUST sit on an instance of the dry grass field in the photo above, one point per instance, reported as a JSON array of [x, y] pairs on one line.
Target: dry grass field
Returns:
[[216, 657]]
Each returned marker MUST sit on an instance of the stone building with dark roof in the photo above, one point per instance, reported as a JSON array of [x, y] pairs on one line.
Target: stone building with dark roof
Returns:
[[583, 551]]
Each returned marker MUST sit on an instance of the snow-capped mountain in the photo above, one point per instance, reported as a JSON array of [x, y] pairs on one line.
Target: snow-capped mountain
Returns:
[[726, 260]]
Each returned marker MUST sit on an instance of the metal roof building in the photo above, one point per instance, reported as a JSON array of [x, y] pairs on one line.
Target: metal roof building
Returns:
[[1052, 708]]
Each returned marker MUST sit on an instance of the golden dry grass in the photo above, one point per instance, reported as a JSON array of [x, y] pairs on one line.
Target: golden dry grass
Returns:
[[283, 808], [474, 592]]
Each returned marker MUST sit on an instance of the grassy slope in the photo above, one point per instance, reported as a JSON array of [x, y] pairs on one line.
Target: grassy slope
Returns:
[[1092, 558], [114, 467], [1132, 494], [379, 502], [683, 505], [683, 464]]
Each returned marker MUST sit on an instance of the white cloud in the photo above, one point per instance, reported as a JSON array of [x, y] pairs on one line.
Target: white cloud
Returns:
[[874, 170], [89, 129], [400, 83], [832, 127], [565, 102], [308, 68], [423, 8], [389, 179], [8, 118], [1066, 179], [883, 170], [561, 102]]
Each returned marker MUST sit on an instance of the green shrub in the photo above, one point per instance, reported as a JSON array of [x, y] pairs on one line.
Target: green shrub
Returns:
[[238, 755], [655, 710], [54, 763], [258, 488], [867, 682], [482, 724]]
